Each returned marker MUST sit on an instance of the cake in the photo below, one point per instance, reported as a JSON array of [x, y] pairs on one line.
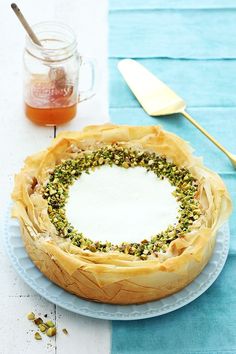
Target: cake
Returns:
[[119, 214]]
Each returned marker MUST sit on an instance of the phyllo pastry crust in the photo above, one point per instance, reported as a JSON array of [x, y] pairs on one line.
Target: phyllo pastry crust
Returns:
[[126, 272]]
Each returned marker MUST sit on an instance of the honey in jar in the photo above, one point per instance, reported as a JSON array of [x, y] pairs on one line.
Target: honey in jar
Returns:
[[51, 75], [50, 116], [50, 104]]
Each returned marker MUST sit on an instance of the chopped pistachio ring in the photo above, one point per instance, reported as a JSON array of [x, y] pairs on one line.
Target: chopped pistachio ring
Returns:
[[64, 175]]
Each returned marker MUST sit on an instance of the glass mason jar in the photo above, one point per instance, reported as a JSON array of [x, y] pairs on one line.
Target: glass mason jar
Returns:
[[52, 75]]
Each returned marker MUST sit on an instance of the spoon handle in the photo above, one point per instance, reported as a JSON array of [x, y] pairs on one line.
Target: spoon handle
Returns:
[[213, 140], [25, 24]]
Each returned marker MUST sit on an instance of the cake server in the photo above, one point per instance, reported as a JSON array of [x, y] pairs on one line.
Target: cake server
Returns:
[[157, 99]]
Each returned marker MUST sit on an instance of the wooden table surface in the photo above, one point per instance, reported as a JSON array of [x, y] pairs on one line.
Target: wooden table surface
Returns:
[[19, 138]]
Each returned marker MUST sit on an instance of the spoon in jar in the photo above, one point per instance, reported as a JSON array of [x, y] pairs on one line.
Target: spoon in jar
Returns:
[[157, 99], [57, 75]]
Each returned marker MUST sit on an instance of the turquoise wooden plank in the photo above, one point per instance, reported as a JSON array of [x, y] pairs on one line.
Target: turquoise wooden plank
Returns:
[[195, 34], [232, 247], [170, 4], [205, 326], [199, 82], [207, 34], [230, 181]]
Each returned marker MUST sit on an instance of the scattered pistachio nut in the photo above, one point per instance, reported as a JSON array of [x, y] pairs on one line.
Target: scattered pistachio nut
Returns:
[[64, 330], [42, 327], [51, 331], [50, 324], [37, 336], [38, 321], [31, 316]]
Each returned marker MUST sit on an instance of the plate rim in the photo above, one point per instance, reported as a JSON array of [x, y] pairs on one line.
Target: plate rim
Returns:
[[132, 312]]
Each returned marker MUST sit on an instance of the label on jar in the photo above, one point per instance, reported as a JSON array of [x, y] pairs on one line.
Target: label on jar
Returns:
[[49, 91], [43, 92]]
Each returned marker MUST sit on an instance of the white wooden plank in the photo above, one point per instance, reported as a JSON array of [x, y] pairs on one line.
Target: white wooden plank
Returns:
[[19, 138], [11, 283], [89, 21], [87, 335]]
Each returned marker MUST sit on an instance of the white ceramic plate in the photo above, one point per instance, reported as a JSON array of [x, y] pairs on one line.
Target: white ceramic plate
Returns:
[[37, 281]]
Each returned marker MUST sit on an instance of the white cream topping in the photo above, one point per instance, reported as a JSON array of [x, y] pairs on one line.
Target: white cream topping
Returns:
[[121, 205]]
